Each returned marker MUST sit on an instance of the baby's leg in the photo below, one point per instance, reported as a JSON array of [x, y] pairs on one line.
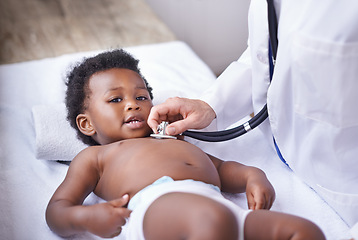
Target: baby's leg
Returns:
[[264, 224], [189, 216]]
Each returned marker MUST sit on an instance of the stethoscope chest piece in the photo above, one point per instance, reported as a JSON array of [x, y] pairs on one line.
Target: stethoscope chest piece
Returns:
[[161, 132]]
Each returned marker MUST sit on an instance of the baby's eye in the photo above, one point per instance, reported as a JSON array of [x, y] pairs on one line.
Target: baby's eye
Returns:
[[142, 98], [115, 100]]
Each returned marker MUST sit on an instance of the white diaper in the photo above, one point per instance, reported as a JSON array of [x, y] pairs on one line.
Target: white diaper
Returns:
[[143, 199]]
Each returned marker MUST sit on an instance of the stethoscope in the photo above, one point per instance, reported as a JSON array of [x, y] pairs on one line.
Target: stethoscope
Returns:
[[224, 135]]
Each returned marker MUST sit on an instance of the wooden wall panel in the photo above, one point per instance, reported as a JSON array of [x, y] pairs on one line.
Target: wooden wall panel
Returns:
[[35, 29]]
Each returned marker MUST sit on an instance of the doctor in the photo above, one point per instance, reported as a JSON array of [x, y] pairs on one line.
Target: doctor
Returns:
[[312, 99]]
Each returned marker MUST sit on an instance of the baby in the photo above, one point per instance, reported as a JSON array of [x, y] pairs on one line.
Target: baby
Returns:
[[162, 189]]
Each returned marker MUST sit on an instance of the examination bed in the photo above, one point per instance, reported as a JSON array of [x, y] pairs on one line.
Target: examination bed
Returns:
[[35, 134]]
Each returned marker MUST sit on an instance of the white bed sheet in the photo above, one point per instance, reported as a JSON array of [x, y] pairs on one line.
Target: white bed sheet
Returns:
[[173, 69]]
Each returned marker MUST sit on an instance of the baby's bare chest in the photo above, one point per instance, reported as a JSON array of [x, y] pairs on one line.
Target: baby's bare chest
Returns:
[[132, 165]]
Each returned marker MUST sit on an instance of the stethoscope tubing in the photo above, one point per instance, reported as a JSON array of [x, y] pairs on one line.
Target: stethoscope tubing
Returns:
[[225, 135]]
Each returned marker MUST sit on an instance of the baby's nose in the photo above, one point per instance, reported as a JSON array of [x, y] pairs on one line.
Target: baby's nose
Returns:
[[132, 106]]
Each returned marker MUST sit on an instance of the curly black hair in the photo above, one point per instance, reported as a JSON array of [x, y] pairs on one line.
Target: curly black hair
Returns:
[[77, 83]]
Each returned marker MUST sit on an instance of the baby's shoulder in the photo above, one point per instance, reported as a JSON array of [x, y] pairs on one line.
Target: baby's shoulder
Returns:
[[88, 153], [86, 159], [91, 150]]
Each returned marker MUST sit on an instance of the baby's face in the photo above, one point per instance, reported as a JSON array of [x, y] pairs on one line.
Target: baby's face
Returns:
[[118, 105]]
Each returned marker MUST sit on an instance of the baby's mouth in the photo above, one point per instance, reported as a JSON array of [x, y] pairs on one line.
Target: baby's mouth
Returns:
[[131, 120], [134, 123]]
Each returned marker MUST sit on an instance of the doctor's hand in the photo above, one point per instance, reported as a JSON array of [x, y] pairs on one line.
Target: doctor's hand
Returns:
[[106, 219], [182, 114]]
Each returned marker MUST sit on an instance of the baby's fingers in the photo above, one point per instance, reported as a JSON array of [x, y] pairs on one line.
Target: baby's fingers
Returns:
[[122, 211], [120, 202], [256, 202], [251, 201], [270, 201]]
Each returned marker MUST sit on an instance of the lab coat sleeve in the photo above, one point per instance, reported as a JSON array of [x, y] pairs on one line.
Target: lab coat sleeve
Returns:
[[231, 94]]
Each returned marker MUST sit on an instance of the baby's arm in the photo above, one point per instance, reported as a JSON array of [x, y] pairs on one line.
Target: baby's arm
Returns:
[[65, 213], [236, 178]]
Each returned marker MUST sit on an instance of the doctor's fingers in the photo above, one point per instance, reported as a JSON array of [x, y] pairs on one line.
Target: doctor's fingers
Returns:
[[196, 114], [163, 112]]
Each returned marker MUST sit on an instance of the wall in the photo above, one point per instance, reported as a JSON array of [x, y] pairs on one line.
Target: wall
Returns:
[[215, 29]]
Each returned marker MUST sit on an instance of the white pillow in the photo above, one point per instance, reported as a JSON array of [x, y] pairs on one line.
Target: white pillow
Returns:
[[55, 138]]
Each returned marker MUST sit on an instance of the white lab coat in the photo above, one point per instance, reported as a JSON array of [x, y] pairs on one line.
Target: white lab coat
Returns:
[[312, 100]]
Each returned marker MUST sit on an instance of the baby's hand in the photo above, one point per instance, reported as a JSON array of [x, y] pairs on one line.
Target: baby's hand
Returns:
[[106, 219], [259, 192]]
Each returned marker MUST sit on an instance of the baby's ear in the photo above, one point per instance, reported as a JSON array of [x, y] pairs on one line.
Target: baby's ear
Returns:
[[84, 125]]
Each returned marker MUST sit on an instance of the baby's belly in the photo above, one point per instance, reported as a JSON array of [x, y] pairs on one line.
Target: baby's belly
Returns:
[[178, 170], [178, 160]]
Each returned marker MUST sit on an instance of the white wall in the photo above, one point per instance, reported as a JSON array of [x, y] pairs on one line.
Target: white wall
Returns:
[[215, 29]]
